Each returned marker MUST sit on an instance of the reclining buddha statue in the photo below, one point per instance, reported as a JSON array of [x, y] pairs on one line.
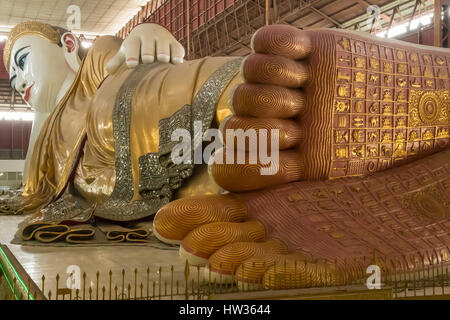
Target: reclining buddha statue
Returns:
[[362, 132]]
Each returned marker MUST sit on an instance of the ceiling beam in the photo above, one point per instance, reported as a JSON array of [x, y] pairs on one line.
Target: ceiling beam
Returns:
[[437, 23], [394, 11], [337, 24], [294, 11], [418, 3]]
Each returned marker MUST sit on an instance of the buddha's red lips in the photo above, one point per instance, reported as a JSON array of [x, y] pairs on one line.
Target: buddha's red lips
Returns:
[[28, 92]]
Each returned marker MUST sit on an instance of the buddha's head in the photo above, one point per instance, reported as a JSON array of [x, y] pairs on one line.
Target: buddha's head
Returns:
[[40, 58]]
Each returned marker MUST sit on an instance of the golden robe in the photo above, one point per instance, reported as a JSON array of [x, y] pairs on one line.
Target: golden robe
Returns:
[[77, 145]]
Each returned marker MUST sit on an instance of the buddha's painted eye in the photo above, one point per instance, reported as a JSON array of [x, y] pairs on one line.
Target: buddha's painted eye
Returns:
[[22, 60]]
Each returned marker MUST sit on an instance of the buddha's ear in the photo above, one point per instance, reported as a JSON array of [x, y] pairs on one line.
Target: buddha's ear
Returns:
[[71, 46]]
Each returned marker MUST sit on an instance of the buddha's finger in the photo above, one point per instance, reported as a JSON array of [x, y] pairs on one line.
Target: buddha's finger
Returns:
[[163, 51], [283, 40], [240, 171], [177, 218], [115, 62], [148, 51], [131, 49], [177, 53], [274, 70], [267, 101], [203, 241], [245, 133]]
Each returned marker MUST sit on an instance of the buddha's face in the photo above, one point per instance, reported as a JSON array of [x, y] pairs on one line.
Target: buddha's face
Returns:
[[39, 68]]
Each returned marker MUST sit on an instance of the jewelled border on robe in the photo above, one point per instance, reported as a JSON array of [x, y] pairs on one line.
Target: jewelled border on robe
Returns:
[[159, 174], [118, 206]]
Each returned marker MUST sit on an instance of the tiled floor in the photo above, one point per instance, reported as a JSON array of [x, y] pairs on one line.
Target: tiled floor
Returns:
[[50, 261]]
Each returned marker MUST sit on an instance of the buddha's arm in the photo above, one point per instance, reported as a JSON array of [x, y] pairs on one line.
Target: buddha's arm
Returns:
[[91, 73], [95, 68], [163, 90], [206, 85], [39, 119]]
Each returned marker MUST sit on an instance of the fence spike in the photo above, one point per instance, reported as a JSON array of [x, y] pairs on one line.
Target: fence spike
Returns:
[[171, 282], [159, 282], [414, 278], [433, 278], [442, 274], [198, 281], [96, 291], [148, 282], [84, 285], [57, 286], [110, 283], [43, 283], [165, 287], [123, 283], [135, 282], [186, 278]]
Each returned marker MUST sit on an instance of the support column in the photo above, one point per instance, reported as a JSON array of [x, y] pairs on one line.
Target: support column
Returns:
[[188, 30], [445, 25], [437, 23], [267, 12]]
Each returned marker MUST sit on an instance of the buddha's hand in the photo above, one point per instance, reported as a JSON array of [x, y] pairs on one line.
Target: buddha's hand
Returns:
[[147, 42]]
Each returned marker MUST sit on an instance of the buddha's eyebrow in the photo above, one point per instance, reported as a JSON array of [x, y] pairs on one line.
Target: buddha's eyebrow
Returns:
[[17, 53], [15, 60], [11, 80]]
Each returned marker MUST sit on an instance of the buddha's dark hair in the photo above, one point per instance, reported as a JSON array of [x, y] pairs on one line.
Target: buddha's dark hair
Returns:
[[81, 51]]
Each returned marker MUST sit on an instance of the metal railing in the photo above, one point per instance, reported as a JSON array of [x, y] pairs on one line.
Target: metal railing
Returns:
[[166, 283]]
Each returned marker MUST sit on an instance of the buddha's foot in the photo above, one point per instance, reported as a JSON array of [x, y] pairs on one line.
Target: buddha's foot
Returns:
[[345, 104], [310, 233]]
